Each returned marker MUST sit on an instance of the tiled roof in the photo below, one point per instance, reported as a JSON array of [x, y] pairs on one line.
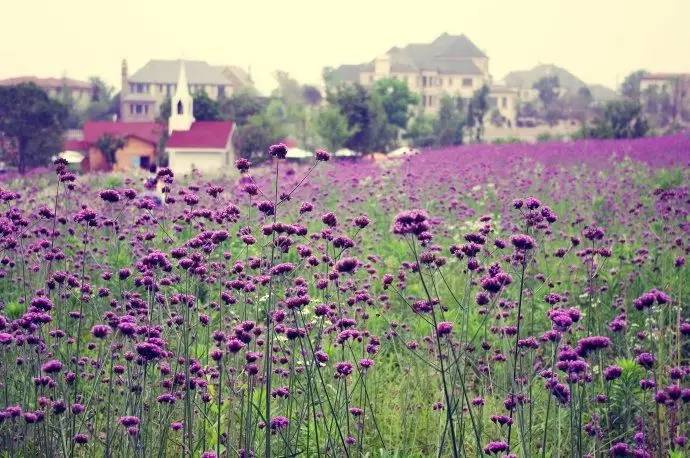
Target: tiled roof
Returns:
[[147, 131], [203, 134], [350, 73], [167, 71], [48, 82], [449, 54], [238, 76]]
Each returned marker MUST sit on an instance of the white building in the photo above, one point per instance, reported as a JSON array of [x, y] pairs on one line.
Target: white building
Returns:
[[196, 145]]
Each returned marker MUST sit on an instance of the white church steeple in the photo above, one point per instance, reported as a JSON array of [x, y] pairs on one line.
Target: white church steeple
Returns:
[[181, 105]]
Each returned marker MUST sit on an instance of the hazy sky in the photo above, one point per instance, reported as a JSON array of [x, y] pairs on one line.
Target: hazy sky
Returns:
[[598, 40]]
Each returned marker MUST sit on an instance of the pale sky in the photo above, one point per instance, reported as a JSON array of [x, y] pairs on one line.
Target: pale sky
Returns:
[[598, 40]]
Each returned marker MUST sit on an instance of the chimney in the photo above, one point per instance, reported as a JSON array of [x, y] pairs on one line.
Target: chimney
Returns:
[[125, 85], [124, 89]]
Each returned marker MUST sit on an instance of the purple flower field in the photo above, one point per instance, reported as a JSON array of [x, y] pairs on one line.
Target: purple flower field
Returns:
[[513, 300]]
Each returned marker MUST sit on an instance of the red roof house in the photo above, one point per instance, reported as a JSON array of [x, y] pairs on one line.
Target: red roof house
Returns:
[[141, 140]]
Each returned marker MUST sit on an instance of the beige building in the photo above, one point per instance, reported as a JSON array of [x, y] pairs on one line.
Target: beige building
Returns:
[[64, 89], [143, 92], [449, 65]]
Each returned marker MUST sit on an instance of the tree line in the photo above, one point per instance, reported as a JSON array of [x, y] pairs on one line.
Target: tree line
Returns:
[[362, 119]]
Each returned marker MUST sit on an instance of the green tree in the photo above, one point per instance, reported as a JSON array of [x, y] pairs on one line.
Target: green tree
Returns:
[[253, 139], [547, 87], [33, 121], [205, 108], [658, 106], [397, 99], [242, 105], [102, 106], [311, 95], [630, 88], [109, 144], [580, 103], [450, 122], [620, 119], [420, 132], [332, 127], [476, 111], [288, 89], [365, 115]]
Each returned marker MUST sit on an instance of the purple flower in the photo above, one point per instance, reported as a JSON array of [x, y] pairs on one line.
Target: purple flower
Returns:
[[80, 438], [279, 150], [283, 268], [646, 360], [52, 366], [242, 165], [495, 447], [414, 222], [149, 351], [129, 421], [101, 331], [278, 423], [362, 221], [343, 368], [346, 265], [444, 328], [619, 449], [329, 219], [109, 195], [522, 242], [322, 155], [586, 345], [612, 372], [593, 233]]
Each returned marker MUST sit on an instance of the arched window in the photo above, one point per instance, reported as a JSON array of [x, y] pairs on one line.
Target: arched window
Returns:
[[180, 108]]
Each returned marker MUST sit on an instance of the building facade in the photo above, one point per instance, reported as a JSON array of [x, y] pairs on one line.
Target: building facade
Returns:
[[143, 92], [449, 65], [139, 151], [79, 93]]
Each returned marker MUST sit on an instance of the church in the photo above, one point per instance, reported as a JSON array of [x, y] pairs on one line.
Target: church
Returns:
[[196, 145]]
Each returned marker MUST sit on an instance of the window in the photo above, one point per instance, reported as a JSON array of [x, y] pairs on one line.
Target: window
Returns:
[[504, 102], [450, 81], [467, 82], [138, 108], [221, 91], [423, 81], [180, 107], [431, 100]]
